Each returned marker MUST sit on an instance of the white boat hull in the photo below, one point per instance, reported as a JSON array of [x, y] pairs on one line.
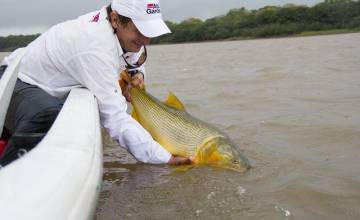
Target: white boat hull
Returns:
[[60, 178], [7, 84]]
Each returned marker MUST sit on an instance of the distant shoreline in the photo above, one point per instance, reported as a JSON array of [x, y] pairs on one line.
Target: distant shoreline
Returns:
[[302, 34], [306, 34]]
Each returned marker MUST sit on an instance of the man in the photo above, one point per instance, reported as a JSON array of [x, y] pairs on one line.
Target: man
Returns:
[[91, 52]]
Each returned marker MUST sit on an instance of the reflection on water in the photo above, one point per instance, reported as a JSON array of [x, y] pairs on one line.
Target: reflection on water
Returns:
[[134, 191], [291, 104]]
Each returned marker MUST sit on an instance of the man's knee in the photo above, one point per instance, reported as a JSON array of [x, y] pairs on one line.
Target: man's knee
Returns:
[[39, 123], [31, 109], [46, 118]]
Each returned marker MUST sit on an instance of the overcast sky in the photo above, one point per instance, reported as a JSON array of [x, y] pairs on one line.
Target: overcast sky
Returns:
[[36, 16]]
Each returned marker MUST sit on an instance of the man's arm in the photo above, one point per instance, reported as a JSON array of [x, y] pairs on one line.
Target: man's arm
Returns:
[[128, 81], [97, 74]]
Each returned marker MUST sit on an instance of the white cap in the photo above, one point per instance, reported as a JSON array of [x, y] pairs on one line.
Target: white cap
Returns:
[[145, 14]]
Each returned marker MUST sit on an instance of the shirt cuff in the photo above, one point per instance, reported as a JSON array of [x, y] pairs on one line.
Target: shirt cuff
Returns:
[[162, 156]]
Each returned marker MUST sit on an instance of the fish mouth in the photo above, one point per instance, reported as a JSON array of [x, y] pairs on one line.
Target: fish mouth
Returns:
[[244, 162]]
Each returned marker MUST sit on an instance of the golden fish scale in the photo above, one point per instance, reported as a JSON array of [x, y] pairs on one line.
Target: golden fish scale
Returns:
[[176, 130]]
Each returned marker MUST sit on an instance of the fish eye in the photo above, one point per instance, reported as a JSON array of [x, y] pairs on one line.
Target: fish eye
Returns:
[[236, 162]]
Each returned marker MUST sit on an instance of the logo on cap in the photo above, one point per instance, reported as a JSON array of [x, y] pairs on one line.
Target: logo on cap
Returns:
[[95, 18], [153, 8]]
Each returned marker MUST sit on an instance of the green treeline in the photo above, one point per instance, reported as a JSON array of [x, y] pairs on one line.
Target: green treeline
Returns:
[[269, 21], [12, 42], [330, 16]]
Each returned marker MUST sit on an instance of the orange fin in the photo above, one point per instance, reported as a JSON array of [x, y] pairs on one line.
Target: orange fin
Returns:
[[174, 102], [207, 152]]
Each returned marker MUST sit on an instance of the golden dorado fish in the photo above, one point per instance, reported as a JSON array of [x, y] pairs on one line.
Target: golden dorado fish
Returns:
[[184, 135]]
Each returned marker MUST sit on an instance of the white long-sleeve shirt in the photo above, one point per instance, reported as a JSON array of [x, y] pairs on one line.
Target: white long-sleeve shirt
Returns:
[[86, 53]]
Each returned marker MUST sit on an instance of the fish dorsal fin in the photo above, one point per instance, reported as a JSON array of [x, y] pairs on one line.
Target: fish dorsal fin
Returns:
[[174, 102]]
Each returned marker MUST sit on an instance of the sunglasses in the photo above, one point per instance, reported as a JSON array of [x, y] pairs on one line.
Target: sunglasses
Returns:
[[138, 63]]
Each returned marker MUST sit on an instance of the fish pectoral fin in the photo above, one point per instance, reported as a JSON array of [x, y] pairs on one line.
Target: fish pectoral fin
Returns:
[[174, 102], [206, 153]]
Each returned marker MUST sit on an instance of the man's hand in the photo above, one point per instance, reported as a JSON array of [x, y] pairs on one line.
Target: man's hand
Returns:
[[127, 82], [177, 160]]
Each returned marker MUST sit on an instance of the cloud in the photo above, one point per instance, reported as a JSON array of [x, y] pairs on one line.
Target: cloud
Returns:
[[30, 16], [34, 16]]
